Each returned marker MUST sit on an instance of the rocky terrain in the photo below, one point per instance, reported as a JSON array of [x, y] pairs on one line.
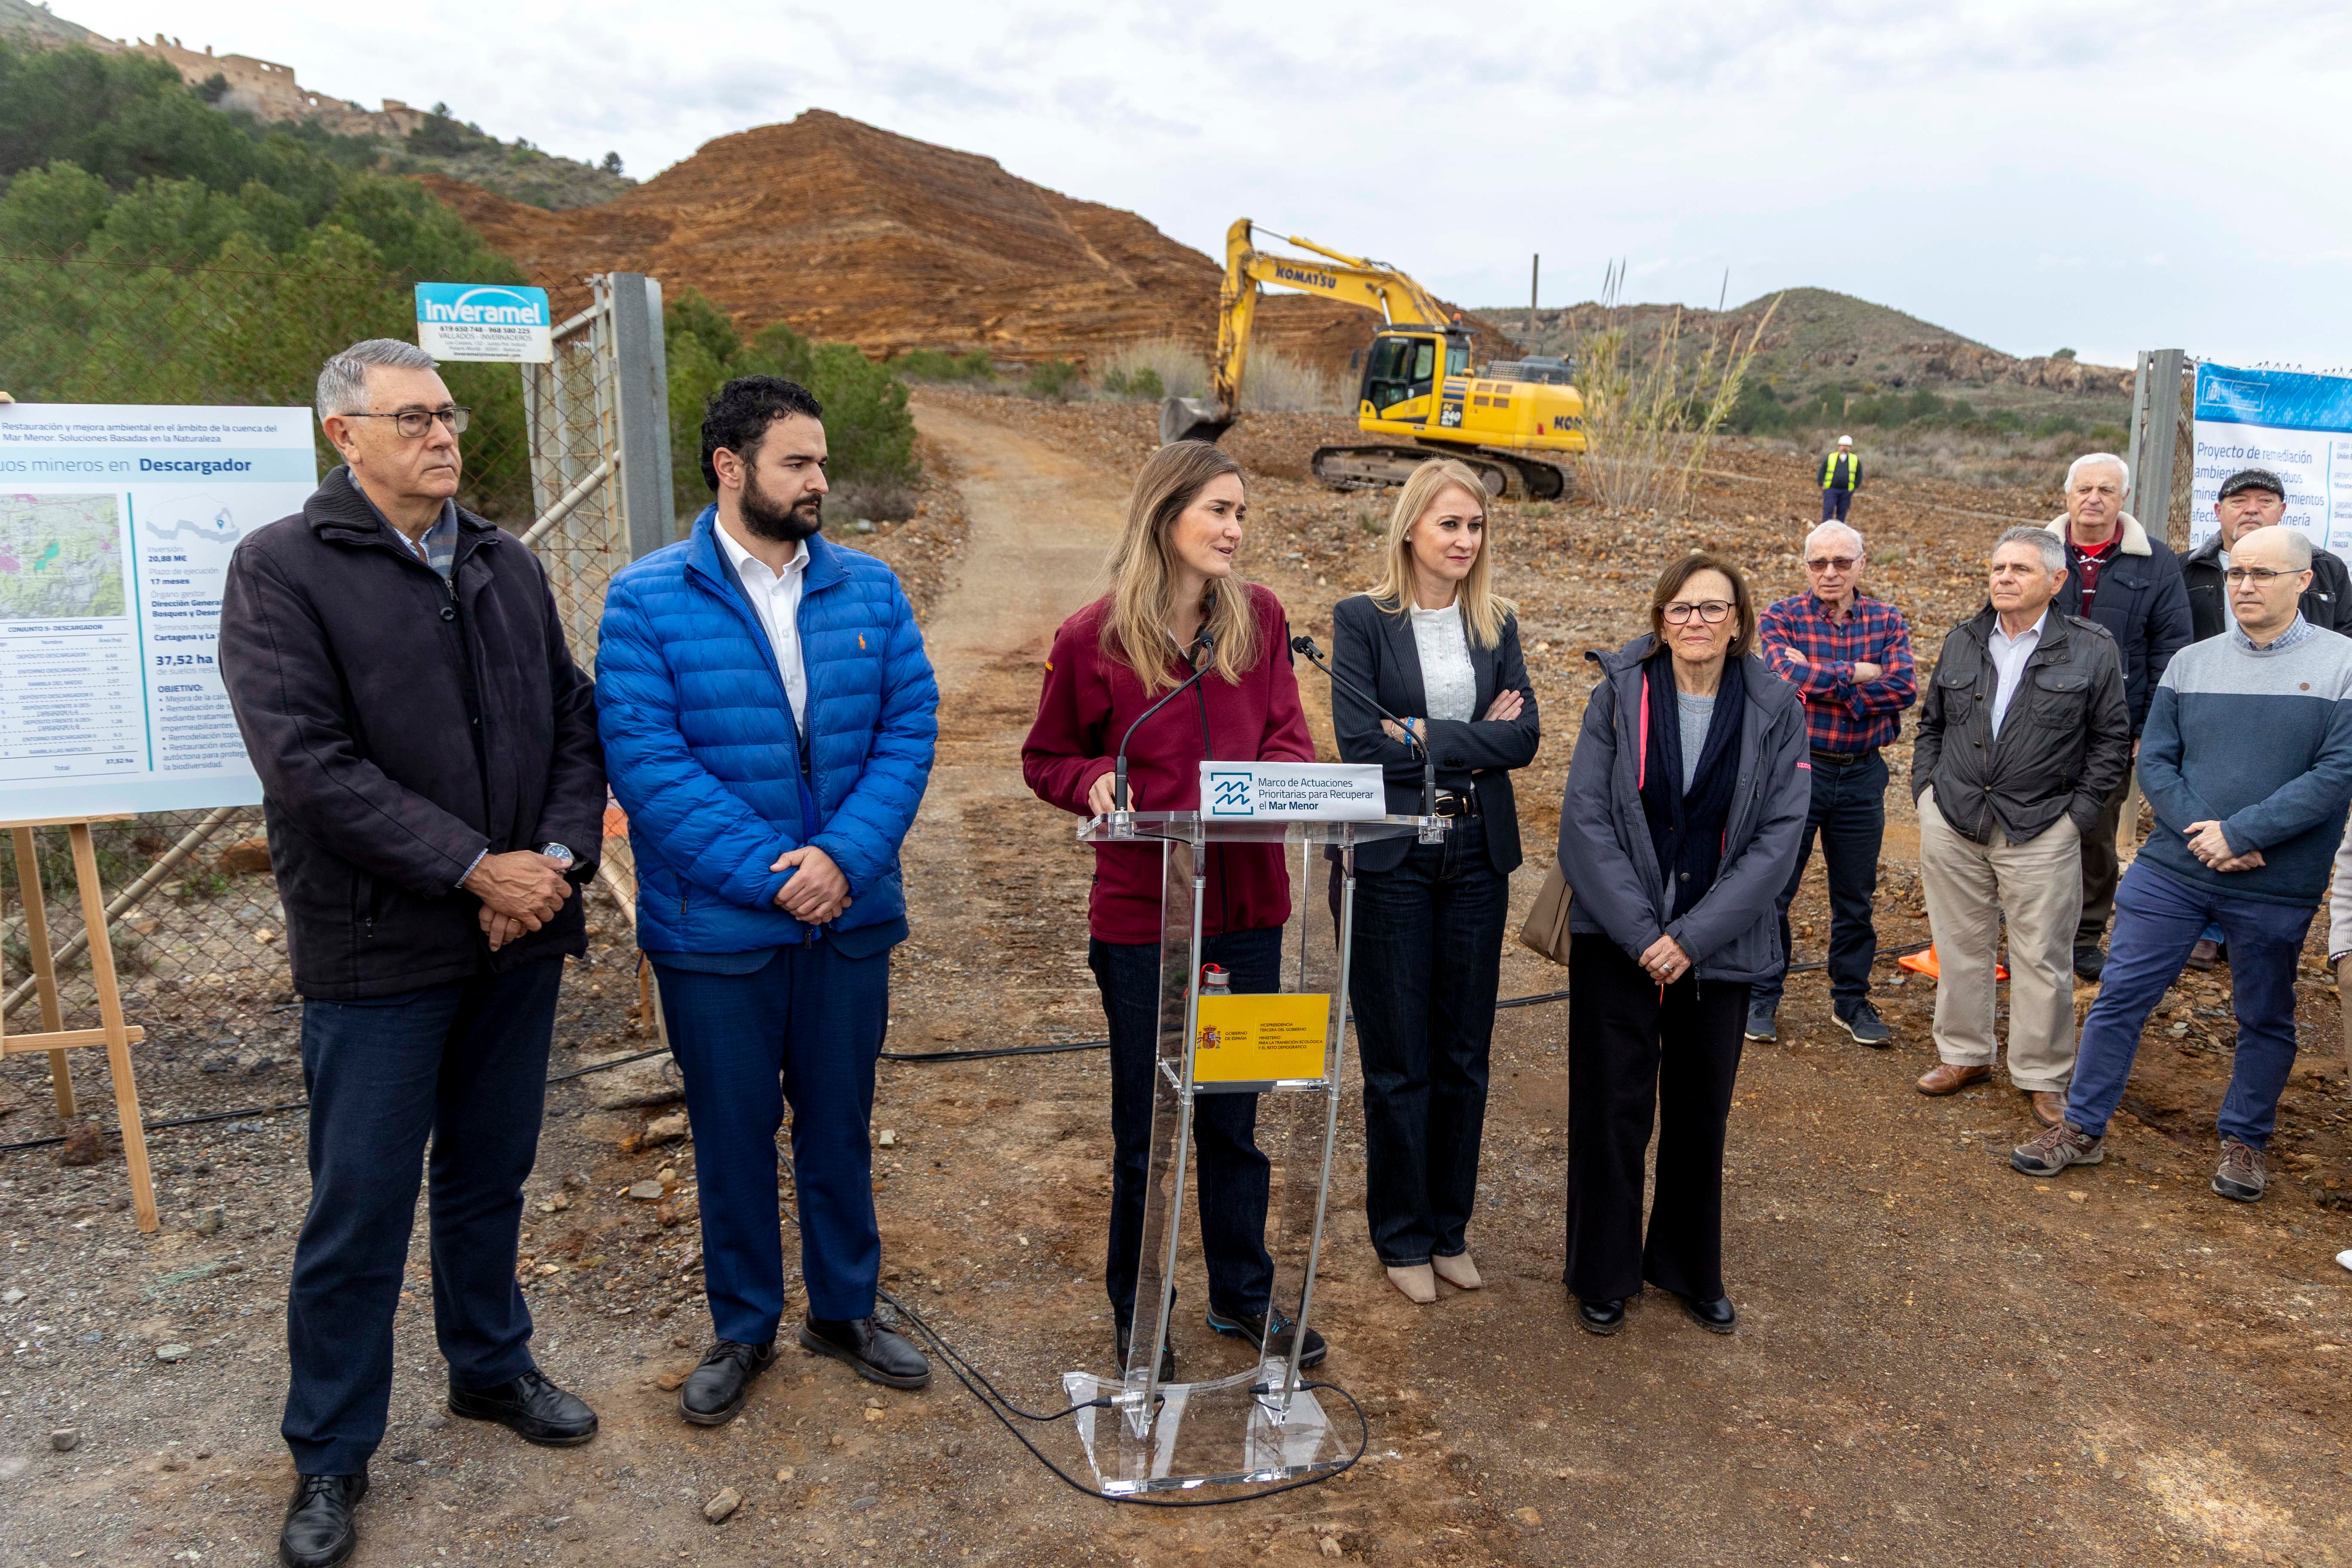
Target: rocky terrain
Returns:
[[1938, 1361], [857, 235]]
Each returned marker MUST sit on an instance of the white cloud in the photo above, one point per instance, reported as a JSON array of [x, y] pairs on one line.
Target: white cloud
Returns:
[[1978, 165]]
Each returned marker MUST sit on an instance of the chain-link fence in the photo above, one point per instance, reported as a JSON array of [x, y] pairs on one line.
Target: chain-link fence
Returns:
[[198, 932]]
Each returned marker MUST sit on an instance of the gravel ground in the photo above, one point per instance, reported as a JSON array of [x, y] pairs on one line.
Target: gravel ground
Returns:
[[1940, 1361]]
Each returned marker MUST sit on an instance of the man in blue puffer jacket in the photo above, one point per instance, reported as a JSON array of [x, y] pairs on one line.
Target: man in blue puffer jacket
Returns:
[[768, 719]]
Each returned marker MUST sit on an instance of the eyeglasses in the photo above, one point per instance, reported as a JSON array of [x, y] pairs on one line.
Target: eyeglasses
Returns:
[[1714, 612], [1832, 563], [2260, 576], [412, 423]]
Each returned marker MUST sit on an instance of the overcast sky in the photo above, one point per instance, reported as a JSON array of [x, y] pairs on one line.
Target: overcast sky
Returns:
[[2105, 175]]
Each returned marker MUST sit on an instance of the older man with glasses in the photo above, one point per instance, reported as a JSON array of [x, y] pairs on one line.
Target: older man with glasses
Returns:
[[1848, 657], [2025, 730], [2247, 760], [435, 794]]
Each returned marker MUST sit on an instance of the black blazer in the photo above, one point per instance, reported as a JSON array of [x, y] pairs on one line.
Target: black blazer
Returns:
[[1375, 651]]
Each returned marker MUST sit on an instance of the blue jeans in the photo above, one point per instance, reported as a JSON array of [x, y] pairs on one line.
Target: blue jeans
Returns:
[[2157, 919], [1834, 504], [805, 1029], [464, 1066], [1849, 813], [1428, 949], [1230, 1176]]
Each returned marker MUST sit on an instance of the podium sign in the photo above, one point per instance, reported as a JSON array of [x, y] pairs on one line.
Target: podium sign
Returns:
[[1293, 792], [1255, 1423], [1259, 1042]]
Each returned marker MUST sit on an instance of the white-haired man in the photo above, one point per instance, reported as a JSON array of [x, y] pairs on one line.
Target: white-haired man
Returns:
[[2129, 581], [1849, 656], [2023, 734], [435, 794], [2248, 764]]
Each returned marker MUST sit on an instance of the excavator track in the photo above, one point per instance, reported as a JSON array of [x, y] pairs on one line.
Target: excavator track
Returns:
[[1376, 467]]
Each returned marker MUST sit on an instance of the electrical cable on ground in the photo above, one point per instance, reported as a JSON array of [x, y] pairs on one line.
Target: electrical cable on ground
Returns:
[[997, 1405], [985, 1054]]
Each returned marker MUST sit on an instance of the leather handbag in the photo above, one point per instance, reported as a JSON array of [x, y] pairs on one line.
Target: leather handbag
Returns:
[[1546, 930]]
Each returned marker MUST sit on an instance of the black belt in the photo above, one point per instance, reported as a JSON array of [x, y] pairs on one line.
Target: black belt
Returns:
[[1844, 759], [1452, 804]]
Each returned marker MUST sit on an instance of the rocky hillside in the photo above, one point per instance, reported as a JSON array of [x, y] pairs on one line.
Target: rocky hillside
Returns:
[[393, 137], [852, 234], [1818, 340]]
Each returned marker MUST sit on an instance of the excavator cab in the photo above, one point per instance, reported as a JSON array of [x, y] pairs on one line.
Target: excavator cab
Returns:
[[1401, 373]]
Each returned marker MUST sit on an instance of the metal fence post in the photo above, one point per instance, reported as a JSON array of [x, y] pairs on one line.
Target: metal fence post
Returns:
[[648, 508], [2155, 429]]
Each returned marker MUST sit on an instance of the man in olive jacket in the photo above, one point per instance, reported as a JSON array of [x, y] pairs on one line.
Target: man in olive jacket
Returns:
[[2024, 733], [434, 791]]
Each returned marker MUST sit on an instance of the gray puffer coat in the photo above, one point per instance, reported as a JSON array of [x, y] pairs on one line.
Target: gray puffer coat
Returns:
[[1618, 890]]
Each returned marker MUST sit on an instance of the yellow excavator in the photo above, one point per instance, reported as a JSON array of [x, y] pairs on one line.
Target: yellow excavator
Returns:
[[1506, 421]]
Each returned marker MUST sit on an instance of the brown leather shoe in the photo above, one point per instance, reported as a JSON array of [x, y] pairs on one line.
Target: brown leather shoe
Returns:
[[1945, 1079], [2205, 953], [2050, 1106]]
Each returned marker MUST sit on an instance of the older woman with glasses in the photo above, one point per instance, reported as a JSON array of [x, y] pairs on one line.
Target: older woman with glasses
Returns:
[[1685, 801]]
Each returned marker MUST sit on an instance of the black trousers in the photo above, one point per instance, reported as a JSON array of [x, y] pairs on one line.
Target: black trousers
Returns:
[[1427, 953], [462, 1065], [2102, 868], [1230, 1178], [1848, 814], [1633, 1052]]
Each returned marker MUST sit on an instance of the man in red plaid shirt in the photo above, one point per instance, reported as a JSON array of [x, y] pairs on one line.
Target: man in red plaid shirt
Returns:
[[1849, 656]]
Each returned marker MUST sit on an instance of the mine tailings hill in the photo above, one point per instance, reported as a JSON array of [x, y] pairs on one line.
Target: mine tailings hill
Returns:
[[855, 235]]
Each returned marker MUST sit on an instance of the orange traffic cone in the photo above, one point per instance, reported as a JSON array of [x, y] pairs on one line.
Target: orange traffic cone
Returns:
[[1925, 964]]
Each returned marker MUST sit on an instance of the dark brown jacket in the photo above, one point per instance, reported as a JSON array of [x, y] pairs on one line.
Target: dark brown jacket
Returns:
[[402, 727], [2063, 743]]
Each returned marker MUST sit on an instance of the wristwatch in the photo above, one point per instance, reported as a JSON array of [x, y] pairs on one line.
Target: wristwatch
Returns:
[[557, 852]]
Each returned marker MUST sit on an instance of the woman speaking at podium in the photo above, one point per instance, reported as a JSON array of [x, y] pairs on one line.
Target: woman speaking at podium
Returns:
[[1177, 607], [1685, 798], [1433, 644]]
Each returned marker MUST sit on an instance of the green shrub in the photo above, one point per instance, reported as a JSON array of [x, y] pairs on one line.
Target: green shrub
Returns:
[[1054, 378], [938, 364], [869, 429]]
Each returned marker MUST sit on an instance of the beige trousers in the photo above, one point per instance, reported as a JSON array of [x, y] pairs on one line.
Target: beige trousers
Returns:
[[1970, 886]]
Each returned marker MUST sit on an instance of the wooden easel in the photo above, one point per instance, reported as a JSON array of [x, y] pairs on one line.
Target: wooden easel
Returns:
[[116, 1036]]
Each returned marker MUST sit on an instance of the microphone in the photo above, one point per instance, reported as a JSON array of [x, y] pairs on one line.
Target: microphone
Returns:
[[1304, 645], [1206, 644]]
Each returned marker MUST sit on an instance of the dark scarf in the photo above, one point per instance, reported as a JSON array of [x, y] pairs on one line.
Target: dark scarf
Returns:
[[1687, 830]]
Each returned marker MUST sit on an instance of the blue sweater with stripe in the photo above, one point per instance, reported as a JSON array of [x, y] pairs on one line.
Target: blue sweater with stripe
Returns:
[[2259, 739]]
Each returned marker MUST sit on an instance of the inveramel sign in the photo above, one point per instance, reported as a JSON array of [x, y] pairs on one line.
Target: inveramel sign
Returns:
[[496, 322], [2297, 425]]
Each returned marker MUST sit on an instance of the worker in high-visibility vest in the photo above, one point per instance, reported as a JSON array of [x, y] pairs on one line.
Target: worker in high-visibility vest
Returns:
[[1841, 477]]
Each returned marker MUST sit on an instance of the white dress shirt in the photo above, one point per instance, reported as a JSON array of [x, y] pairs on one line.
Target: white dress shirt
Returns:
[[1447, 677], [2008, 657], [776, 600]]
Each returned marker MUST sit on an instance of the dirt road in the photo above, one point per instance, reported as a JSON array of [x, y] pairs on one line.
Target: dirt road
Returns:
[[1938, 1361]]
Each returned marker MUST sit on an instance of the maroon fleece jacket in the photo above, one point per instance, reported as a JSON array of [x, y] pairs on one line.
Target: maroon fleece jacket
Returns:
[[1089, 701]]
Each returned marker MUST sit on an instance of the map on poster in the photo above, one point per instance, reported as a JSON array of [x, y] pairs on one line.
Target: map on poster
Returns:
[[116, 525], [2296, 425]]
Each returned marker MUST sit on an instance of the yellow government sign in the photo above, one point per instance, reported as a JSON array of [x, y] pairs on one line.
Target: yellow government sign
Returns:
[[1260, 1039]]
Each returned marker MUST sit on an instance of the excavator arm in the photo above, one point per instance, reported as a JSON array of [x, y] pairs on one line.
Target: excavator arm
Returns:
[[1351, 280]]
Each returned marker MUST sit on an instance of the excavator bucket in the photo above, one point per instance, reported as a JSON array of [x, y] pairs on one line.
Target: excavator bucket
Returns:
[[1191, 419]]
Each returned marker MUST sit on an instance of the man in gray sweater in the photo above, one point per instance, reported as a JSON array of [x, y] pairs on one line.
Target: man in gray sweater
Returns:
[[2247, 760]]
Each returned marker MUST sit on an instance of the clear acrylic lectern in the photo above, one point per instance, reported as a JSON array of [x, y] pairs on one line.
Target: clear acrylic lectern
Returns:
[[1257, 1425]]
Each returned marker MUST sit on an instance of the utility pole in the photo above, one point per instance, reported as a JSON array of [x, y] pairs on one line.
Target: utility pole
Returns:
[[1535, 276]]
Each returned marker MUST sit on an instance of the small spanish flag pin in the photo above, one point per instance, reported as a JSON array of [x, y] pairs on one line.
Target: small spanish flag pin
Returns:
[[1049, 665]]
